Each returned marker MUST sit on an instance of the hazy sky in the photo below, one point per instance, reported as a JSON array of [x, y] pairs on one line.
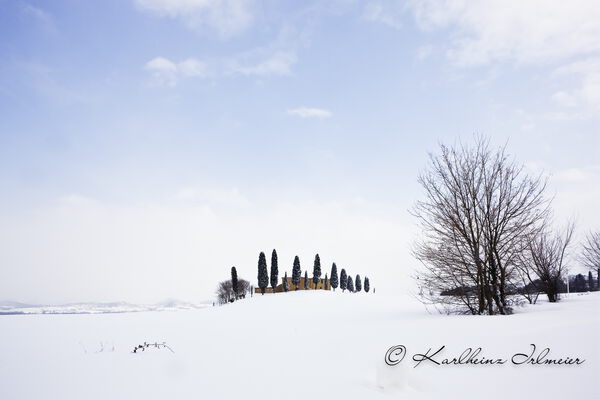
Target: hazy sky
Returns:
[[147, 146]]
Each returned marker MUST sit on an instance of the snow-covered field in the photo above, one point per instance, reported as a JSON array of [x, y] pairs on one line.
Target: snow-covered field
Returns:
[[297, 346]]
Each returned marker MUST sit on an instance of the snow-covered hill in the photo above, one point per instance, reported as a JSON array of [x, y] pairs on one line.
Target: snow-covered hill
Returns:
[[16, 308], [297, 346]]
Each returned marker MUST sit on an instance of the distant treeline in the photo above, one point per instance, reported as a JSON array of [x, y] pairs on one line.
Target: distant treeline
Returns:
[[344, 281], [237, 288]]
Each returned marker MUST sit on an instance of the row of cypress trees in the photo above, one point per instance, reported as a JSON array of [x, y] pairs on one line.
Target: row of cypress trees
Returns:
[[344, 282]]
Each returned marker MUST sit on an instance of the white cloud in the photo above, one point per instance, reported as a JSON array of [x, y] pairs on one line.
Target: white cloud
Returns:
[[424, 52], [587, 94], [193, 67], [168, 73], [387, 13], [226, 16], [163, 70], [561, 35], [308, 112], [279, 63], [564, 99], [578, 175], [534, 31], [44, 19]]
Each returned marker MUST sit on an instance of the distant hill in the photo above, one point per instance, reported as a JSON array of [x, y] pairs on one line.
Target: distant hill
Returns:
[[14, 307]]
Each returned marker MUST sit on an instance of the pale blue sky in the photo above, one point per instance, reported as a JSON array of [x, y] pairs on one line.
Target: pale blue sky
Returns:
[[160, 122]]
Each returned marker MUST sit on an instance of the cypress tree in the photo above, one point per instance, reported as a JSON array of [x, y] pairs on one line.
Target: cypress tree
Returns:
[[285, 283], [263, 275], [274, 270], [234, 282], [334, 277], [350, 285], [305, 280], [358, 283], [343, 280], [317, 270], [296, 272], [326, 282], [367, 285], [590, 281]]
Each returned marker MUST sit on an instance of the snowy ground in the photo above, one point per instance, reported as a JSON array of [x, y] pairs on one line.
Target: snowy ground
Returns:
[[297, 346]]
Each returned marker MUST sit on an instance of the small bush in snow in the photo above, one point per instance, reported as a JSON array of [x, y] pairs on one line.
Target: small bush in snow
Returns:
[[156, 345]]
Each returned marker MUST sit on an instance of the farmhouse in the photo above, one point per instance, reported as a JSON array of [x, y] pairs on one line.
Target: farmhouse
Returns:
[[322, 285]]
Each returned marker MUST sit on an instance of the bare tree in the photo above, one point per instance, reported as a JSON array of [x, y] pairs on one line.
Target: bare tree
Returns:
[[544, 259], [478, 206], [590, 254], [526, 281], [224, 291], [243, 288], [226, 294]]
